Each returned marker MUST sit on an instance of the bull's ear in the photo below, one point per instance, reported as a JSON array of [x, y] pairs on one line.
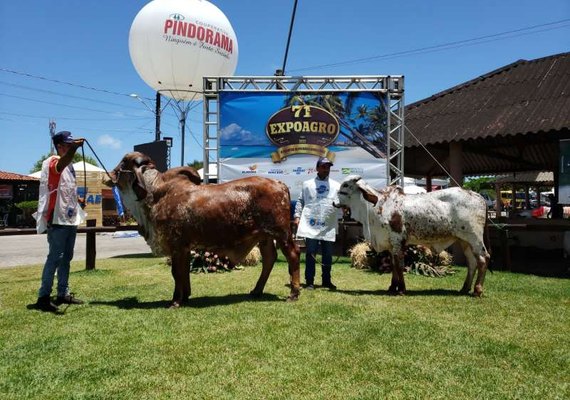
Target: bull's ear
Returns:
[[139, 186], [140, 191], [367, 193]]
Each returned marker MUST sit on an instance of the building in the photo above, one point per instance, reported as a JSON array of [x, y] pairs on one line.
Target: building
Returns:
[[16, 188]]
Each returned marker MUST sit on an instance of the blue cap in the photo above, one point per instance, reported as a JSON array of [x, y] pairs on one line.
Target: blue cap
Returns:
[[324, 161], [62, 137]]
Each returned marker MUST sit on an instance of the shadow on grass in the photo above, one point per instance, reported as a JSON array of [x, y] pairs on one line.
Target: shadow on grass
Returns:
[[62, 310], [129, 303], [137, 255], [411, 293], [435, 292]]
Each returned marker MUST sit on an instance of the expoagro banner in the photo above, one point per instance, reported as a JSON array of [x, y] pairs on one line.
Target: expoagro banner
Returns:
[[282, 135]]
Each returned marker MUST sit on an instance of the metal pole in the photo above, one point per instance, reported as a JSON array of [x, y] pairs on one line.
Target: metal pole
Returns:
[[289, 37], [51, 132], [182, 129], [157, 115]]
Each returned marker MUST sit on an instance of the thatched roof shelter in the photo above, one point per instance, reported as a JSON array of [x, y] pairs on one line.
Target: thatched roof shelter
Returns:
[[506, 121]]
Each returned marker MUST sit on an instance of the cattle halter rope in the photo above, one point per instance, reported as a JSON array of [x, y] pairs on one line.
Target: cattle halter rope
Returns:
[[100, 162], [82, 202], [497, 225]]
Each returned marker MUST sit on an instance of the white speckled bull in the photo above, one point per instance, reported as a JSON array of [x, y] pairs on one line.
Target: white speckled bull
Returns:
[[393, 220], [176, 215]]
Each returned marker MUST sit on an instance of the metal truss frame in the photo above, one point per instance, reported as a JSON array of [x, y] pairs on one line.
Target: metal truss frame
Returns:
[[393, 86]]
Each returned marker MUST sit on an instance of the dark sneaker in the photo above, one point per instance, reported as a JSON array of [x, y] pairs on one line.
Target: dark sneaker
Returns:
[[330, 286], [44, 304], [310, 286], [68, 299]]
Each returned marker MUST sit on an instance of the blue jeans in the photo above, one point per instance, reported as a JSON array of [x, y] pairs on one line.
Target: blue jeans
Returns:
[[61, 240], [312, 248]]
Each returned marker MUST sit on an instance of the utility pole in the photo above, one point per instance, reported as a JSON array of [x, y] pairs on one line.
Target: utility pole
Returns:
[[51, 133], [182, 132], [156, 112], [157, 117]]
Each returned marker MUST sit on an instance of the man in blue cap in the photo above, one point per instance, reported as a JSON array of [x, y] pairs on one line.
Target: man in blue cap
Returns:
[[59, 214], [317, 221]]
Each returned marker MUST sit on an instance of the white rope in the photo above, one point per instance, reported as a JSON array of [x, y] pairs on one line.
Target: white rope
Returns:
[[432, 156]]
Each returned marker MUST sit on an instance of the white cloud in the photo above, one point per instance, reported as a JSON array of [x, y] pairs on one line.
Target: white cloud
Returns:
[[109, 141], [235, 133]]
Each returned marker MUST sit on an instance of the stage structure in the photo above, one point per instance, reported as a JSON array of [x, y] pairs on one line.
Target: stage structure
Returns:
[[278, 126]]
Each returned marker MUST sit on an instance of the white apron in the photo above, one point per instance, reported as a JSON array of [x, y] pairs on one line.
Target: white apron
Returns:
[[319, 218], [67, 210]]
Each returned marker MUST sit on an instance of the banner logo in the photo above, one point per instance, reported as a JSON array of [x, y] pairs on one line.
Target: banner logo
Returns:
[[302, 129], [177, 30]]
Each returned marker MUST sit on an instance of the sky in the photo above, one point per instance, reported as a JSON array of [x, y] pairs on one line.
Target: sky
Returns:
[[68, 61]]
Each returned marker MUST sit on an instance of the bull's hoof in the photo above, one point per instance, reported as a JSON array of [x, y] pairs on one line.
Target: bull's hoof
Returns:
[[396, 291], [255, 295], [173, 305], [479, 289], [293, 296], [464, 291], [392, 289]]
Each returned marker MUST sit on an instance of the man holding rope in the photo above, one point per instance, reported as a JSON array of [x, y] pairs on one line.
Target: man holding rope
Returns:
[[59, 213], [317, 221]]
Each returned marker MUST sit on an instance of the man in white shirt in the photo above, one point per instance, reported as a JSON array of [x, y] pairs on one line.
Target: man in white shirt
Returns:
[[317, 221], [59, 214]]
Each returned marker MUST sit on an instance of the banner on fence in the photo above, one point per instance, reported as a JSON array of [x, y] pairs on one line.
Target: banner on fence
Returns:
[[282, 135]]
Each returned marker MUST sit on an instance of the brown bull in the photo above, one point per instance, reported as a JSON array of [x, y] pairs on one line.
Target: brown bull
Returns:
[[176, 215]]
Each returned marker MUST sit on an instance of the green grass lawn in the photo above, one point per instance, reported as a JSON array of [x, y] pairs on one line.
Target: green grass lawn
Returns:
[[355, 343]]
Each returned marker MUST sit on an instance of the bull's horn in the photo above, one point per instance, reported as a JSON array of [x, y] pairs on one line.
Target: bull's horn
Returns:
[[109, 180]]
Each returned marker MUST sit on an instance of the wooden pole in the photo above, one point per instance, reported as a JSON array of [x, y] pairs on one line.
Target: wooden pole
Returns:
[[90, 247]]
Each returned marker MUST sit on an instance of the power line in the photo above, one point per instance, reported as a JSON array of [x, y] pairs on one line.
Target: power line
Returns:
[[65, 95], [72, 119], [63, 82], [445, 46], [56, 104]]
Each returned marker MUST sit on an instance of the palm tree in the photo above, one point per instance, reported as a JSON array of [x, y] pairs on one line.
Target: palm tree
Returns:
[[362, 127]]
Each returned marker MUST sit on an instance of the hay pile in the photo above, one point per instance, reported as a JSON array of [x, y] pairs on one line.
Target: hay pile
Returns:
[[253, 258], [205, 261], [359, 256], [419, 260]]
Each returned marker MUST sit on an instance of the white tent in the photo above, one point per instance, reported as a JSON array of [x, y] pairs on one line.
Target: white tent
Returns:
[[213, 170], [410, 186], [414, 189], [78, 166]]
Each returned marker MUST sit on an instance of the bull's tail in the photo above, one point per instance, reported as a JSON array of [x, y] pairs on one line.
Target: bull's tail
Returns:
[[487, 240]]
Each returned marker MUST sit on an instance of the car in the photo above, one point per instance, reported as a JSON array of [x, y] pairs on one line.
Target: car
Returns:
[[488, 200]]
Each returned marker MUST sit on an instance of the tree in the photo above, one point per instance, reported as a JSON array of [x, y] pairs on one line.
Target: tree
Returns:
[[480, 184], [196, 164], [362, 126], [77, 157]]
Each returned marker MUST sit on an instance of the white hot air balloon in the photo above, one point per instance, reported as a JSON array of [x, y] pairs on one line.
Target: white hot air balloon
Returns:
[[175, 43]]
